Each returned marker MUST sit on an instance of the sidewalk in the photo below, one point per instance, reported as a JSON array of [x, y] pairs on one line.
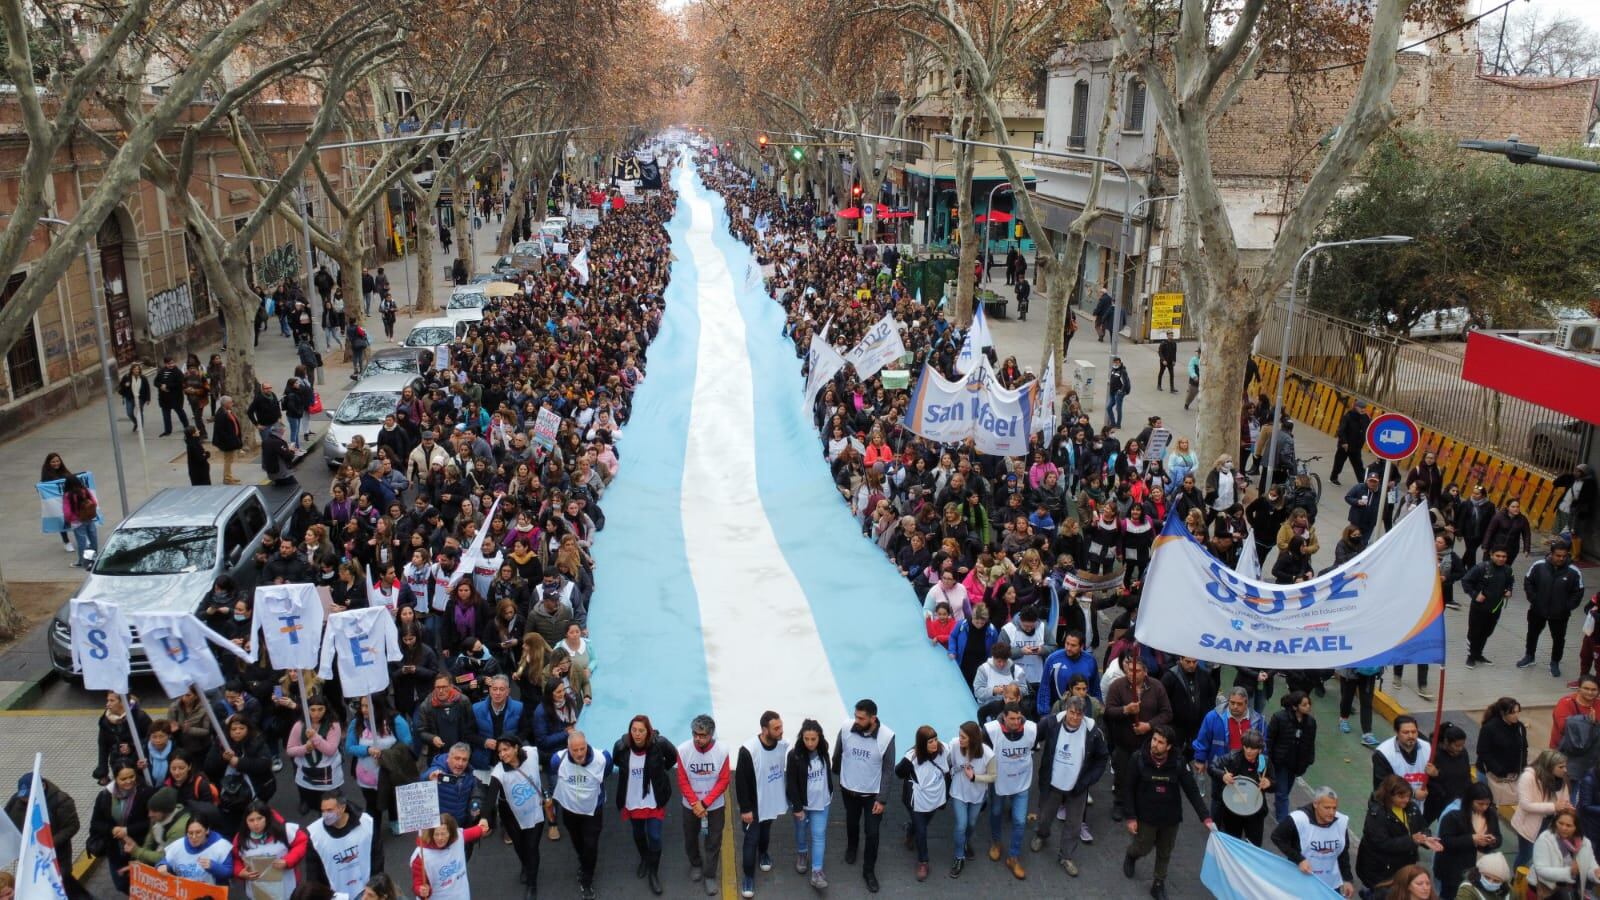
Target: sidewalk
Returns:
[[1467, 690], [40, 574]]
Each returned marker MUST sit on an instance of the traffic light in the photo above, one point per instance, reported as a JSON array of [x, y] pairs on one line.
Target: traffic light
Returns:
[[797, 153], [855, 191], [762, 140]]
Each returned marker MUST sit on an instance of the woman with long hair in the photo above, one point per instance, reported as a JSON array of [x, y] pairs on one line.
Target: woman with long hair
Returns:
[[973, 767], [79, 508], [1502, 749], [1468, 831], [266, 842], [318, 764], [644, 760], [439, 864], [56, 470], [516, 802], [1563, 861], [373, 730], [529, 674], [808, 784], [926, 771], [1541, 792], [1412, 883]]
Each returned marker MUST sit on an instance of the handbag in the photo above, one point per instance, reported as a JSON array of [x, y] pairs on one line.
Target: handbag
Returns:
[[236, 791], [1502, 789], [316, 403]]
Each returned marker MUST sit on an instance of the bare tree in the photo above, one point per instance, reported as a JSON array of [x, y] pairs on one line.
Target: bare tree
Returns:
[[1538, 41]]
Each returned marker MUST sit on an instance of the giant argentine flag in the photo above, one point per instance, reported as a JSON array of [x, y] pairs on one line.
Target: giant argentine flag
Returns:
[[1239, 870], [1382, 607]]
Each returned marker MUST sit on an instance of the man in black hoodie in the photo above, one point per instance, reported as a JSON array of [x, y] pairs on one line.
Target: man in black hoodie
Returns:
[[1156, 808], [1192, 692], [1554, 588], [1488, 586], [1351, 436]]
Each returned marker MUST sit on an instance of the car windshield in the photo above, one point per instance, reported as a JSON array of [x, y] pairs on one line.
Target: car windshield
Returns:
[[366, 408], [467, 301], [405, 365], [432, 336], [158, 551]]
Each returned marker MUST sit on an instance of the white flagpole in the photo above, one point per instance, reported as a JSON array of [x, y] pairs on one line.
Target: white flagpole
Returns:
[[138, 743]]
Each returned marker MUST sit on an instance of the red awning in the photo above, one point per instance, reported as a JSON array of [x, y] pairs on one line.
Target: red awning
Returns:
[[896, 214], [1566, 382], [853, 212], [996, 216]]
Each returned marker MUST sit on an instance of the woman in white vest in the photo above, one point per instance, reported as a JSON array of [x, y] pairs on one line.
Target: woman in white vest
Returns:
[[1316, 837], [515, 791], [809, 786], [926, 770], [439, 864], [200, 855], [266, 842], [973, 767], [318, 764]]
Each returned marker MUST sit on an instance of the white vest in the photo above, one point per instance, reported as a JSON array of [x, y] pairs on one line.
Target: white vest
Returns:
[[1068, 762], [1032, 665], [522, 791], [770, 799], [962, 788], [272, 848], [1415, 774], [703, 770], [578, 787], [1322, 844], [348, 859], [817, 794], [446, 870], [928, 790], [1015, 774], [861, 767], [187, 862]]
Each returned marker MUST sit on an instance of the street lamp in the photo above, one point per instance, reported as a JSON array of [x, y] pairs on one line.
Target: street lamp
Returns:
[[107, 367], [1127, 214], [985, 248], [927, 230], [1288, 322], [1520, 154], [304, 197]]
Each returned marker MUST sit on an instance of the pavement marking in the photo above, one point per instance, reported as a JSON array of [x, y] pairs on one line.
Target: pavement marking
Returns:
[[16, 713], [730, 879]]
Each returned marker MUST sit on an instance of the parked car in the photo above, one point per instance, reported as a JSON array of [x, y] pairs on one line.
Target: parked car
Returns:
[[467, 303], [1556, 446], [391, 360], [362, 412], [168, 553], [431, 333]]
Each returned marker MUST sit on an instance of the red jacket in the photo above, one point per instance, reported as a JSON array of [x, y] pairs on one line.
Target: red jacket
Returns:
[[291, 859]]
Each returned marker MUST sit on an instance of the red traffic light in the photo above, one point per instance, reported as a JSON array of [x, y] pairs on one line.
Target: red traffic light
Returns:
[[855, 190], [762, 140]]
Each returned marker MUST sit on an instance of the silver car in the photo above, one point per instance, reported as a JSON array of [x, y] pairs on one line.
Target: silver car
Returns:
[[362, 412]]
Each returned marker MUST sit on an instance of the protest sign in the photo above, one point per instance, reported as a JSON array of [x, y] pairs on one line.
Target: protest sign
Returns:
[[417, 806], [544, 428], [145, 883]]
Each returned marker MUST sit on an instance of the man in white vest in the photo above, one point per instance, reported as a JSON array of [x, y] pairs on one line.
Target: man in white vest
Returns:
[[703, 775], [346, 850], [863, 763], [578, 786], [1407, 755], [1013, 738], [759, 787], [1074, 758], [1316, 837]]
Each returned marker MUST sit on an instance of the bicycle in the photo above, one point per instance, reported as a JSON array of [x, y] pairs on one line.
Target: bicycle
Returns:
[[1303, 467]]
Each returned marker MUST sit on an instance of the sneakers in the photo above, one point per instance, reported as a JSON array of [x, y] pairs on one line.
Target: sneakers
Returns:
[[818, 880], [1524, 662], [765, 863], [1485, 661], [694, 874], [955, 869], [713, 887], [747, 887], [277, 764], [1344, 726], [1036, 843], [68, 548], [1472, 663], [1158, 889], [1084, 834], [801, 863], [1399, 682], [1451, 604], [1424, 693], [1368, 740], [1061, 814], [1555, 670], [1070, 867]]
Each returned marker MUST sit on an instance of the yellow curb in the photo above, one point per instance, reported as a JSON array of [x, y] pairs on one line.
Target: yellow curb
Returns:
[[1387, 706], [730, 877], [14, 713]]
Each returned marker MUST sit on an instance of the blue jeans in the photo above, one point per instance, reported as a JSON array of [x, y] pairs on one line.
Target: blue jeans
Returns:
[[1282, 783], [1017, 805], [966, 820], [811, 836], [646, 836], [757, 839], [87, 537], [1524, 854], [920, 823], [294, 430], [1114, 408]]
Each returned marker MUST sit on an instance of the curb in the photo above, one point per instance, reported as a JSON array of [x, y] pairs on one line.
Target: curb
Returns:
[[28, 692], [1387, 706]]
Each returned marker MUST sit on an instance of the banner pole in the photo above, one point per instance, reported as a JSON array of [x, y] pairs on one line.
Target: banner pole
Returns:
[[138, 743], [211, 714], [305, 706], [1438, 714]]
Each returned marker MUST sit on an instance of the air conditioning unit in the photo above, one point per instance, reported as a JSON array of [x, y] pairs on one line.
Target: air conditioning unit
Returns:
[[1583, 334]]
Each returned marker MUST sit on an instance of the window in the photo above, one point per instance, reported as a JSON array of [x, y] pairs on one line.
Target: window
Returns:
[[1133, 107], [1079, 137], [22, 362], [242, 528]]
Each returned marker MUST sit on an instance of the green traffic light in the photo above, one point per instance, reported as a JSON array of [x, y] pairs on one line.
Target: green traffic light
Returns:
[[798, 153]]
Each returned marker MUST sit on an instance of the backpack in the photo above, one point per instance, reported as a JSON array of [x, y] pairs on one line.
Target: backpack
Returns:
[[1580, 740], [85, 507]]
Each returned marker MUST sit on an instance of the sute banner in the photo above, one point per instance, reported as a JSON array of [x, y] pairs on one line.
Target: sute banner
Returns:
[[1382, 607], [880, 346]]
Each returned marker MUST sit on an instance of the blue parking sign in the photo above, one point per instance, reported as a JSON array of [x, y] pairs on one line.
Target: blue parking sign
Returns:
[[1393, 437]]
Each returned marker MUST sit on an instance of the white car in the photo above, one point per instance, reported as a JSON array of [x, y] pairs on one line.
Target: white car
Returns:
[[466, 303], [431, 333], [362, 412]]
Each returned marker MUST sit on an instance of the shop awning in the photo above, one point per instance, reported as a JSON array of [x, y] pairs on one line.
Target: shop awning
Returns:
[[1559, 380]]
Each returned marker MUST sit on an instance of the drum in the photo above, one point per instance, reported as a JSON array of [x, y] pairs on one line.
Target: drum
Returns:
[[1243, 797]]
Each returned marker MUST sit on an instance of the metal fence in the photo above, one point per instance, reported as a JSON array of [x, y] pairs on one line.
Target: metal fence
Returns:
[[1424, 382]]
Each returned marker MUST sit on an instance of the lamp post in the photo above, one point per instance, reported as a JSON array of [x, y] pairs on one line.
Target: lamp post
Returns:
[[304, 198], [1127, 215], [1138, 206], [927, 230], [1522, 154], [1288, 322], [107, 369], [990, 214]]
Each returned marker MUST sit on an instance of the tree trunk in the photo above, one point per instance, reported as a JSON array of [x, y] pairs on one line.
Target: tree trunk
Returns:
[[426, 234], [1226, 331], [11, 621]]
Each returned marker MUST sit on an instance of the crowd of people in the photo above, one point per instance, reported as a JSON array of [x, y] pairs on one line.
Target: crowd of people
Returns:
[[477, 538]]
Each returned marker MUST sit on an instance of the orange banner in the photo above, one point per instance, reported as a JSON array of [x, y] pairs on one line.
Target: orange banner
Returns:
[[145, 883]]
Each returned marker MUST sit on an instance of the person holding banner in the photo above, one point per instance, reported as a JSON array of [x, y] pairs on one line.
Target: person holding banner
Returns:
[[1316, 837], [314, 746], [56, 470], [117, 727]]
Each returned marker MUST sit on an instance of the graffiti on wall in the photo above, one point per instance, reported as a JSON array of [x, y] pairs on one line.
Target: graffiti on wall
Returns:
[[280, 264], [171, 311]]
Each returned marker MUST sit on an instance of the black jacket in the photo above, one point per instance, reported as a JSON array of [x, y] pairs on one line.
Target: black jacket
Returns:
[[112, 740], [63, 811], [1459, 853], [1096, 753], [1494, 582], [169, 387], [264, 410], [255, 764], [660, 758], [1191, 697], [795, 773], [277, 458], [1386, 844], [1583, 504], [1154, 789], [100, 843], [1553, 593], [1503, 748], [1472, 519], [1353, 429], [1291, 741], [1286, 837], [226, 433]]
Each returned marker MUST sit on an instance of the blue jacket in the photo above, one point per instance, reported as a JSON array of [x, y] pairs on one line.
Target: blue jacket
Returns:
[[1212, 740], [481, 757], [958, 639], [455, 795], [548, 735], [1058, 671], [355, 748]]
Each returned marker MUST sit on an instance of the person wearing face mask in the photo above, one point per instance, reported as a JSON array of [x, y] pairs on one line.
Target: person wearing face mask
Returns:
[[1488, 880], [345, 851], [266, 842]]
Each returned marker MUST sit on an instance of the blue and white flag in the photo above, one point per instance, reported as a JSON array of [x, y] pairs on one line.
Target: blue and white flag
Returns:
[[51, 519], [1239, 870], [972, 345], [948, 412], [175, 645], [880, 346], [102, 645], [288, 622], [580, 264], [38, 869], [1382, 607], [824, 361]]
